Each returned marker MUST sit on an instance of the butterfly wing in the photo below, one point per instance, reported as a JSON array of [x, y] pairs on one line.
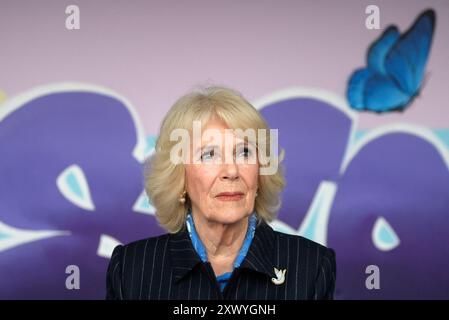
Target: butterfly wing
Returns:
[[380, 48], [370, 90], [405, 62], [395, 68], [375, 60]]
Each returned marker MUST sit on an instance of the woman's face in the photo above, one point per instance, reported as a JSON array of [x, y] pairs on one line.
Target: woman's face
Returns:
[[222, 192]]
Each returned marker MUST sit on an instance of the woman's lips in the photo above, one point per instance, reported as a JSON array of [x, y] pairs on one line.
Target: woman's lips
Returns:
[[230, 196]]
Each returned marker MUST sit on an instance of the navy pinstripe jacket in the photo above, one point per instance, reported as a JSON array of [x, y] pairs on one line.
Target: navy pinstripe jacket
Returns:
[[168, 267]]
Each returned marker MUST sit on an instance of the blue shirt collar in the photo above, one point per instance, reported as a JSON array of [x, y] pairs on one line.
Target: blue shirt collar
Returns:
[[201, 250]]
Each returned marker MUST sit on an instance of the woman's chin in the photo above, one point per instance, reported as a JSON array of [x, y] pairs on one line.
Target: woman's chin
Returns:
[[227, 218]]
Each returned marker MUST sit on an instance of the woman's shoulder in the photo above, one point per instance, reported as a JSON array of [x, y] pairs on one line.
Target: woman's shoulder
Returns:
[[140, 246], [127, 262], [304, 244]]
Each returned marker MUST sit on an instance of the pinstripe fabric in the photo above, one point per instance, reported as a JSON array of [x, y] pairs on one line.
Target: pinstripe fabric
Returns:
[[168, 267]]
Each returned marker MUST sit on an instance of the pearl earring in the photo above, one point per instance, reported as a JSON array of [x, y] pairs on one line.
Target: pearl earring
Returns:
[[182, 198]]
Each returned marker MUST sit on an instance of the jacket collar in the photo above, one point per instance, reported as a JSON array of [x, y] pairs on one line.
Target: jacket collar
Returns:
[[182, 254], [259, 257], [261, 253]]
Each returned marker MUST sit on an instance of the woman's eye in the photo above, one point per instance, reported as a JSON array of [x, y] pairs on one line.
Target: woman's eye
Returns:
[[208, 154], [245, 151]]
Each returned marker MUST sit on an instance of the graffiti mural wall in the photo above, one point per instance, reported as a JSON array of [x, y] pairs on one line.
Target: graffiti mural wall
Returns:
[[357, 90]]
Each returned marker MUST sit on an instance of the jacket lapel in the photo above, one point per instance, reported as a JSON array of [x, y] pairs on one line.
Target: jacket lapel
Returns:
[[182, 254], [260, 256]]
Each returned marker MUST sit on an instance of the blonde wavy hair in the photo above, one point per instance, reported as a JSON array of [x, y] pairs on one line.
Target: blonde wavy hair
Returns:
[[165, 181]]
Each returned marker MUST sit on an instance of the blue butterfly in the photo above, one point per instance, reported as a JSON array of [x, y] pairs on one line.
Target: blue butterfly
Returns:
[[395, 68]]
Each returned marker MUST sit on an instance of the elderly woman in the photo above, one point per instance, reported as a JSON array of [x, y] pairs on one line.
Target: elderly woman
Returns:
[[215, 192]]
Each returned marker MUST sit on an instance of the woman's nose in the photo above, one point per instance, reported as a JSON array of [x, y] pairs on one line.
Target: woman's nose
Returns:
[[230, 171]]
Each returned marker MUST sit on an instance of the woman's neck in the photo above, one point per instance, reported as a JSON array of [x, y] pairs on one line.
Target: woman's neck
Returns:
[[221, 241]]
